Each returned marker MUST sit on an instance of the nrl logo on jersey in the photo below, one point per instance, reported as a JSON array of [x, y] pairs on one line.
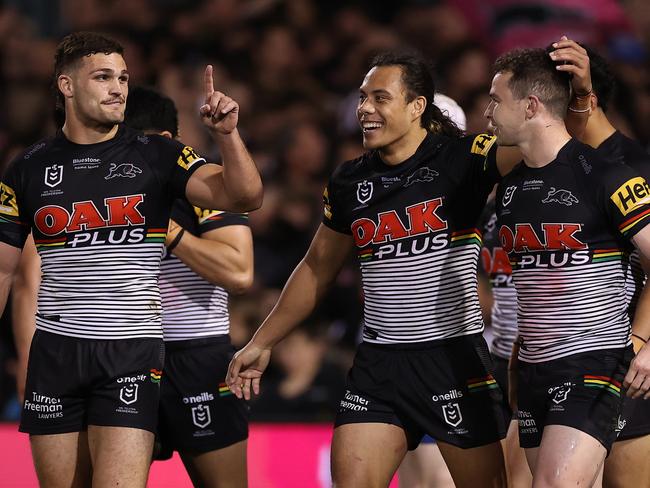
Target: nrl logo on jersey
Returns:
[[53, 175], [364, 191], [564, 197]]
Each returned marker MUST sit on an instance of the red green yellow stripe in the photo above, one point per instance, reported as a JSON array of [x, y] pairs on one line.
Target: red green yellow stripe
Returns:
[[602, 255], [626, 226], [365, 254], [480, 384], [156, 235], [467, 236], [224, 390], [603, 382], [155, 375]]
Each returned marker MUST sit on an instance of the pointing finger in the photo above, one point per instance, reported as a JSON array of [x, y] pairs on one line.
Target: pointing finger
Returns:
[[208, 82]]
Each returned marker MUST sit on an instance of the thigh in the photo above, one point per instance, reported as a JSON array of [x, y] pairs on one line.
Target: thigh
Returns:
[[519, 474], [120, 456], [198, 413], [567, 457], [366, 455], [425, 468], [478, 467], [220, 468], [62, 460], [628, 464]]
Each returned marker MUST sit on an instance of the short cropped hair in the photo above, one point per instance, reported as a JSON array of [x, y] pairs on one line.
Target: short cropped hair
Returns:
[[534, 73], [148, 110], [75, 46]]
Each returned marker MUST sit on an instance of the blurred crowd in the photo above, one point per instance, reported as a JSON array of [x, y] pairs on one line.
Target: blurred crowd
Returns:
[[295, 66]]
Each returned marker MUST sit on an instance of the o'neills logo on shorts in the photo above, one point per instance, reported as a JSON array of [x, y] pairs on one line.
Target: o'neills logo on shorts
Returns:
[[450, 395], [46, 406], [201, 397]]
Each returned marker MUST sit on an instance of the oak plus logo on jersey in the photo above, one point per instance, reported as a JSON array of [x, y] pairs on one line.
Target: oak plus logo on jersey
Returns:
[[85, 220], [563, 197], [422, 218], [554, 237], [53, 175], [201, 416], [364, 191], [631, 195], [123, 170]]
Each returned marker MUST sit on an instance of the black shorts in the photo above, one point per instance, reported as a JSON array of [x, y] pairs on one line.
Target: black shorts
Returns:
[[501, 375], [636, 418], [445, 389], [582, 391], [73, 383], [198, 412]]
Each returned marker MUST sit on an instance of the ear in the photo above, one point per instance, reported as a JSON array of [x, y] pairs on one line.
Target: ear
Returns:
[[167, 134], [419, 104], [532, 106], [64, 83]]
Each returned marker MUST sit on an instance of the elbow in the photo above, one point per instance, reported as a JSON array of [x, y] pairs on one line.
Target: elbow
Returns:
[[255, 198], [240, 283]]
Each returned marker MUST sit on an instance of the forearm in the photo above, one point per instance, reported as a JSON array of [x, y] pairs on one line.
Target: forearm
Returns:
[[23, 321], [299, 298], [217, 262], [242, 181]]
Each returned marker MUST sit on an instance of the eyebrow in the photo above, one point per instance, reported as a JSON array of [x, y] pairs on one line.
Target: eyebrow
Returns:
[[379, 91], [108, 70]]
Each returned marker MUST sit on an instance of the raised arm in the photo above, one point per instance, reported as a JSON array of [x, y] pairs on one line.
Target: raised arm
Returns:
[[306, 286], [236, 186]]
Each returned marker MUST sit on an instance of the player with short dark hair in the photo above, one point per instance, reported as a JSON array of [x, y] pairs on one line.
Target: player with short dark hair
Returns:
[[97, 199], [409, 207], [563, 217], [209, 254], [627, 463]]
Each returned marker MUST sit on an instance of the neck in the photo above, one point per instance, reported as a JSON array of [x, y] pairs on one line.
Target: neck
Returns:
[[402, 149], [598, 129], [545, 142], [81, 132]]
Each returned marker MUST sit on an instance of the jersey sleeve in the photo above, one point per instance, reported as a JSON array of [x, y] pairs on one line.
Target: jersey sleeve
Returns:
[[215, 219], [333, 210], [477, 155], [180, 162], [13, 226], [625, 198]]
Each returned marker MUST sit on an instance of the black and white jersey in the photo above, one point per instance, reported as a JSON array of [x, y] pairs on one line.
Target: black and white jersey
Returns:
[[99, 215], [620, 148], [415, 228], [192, 306], [566, 228], [496, 265]]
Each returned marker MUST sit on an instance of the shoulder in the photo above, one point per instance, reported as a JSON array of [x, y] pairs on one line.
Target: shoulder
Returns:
[[353, 169], [472, 144]]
